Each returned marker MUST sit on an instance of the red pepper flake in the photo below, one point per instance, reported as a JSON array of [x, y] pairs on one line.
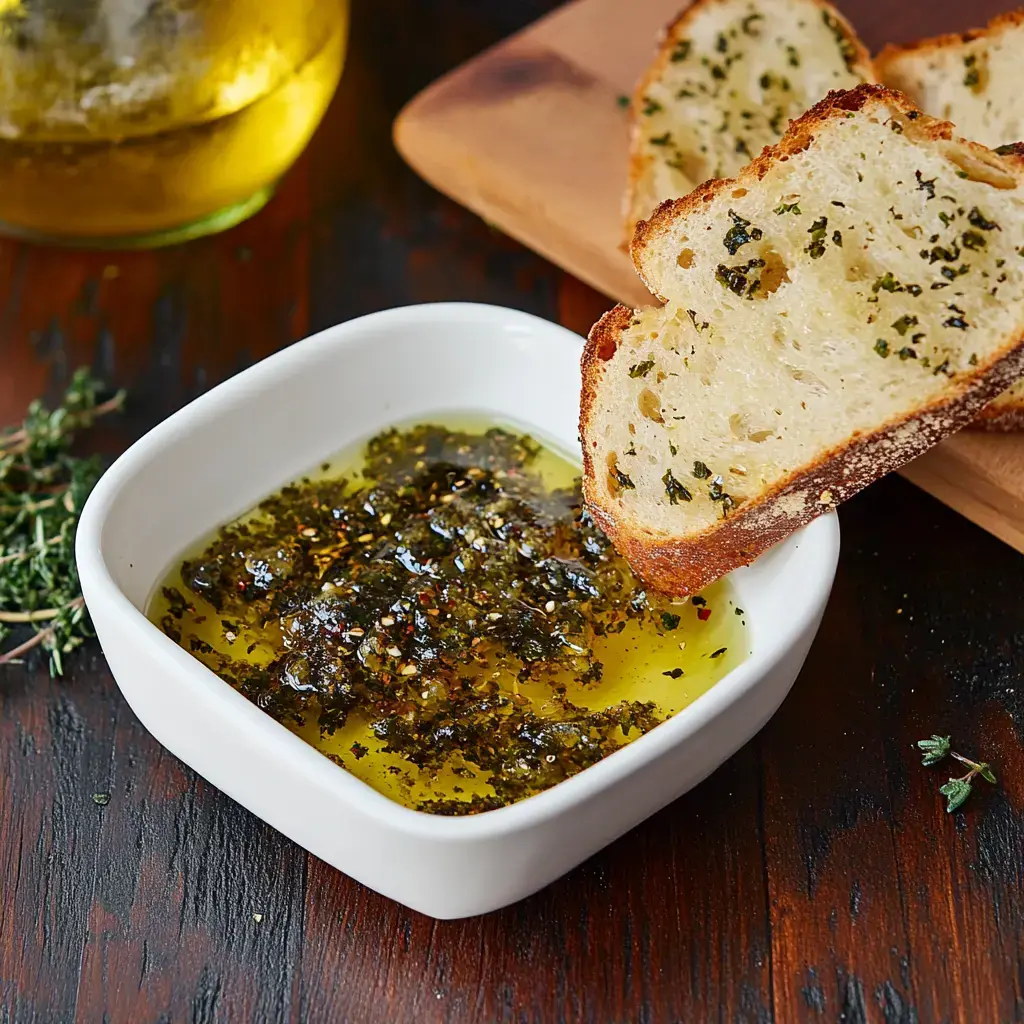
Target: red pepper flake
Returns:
[[703, 614]]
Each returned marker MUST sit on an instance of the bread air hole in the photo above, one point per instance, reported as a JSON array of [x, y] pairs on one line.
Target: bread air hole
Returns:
[[988, 170], [814, 382], [856, 271], [774, 274], [650, 406], [741, 428]]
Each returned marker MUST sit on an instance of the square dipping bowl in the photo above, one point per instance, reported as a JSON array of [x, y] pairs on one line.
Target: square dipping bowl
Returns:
[[242, 441]]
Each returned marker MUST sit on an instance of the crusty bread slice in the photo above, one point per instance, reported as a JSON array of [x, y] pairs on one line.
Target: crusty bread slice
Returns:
[[852, 297], [973, 80], [727, 78]]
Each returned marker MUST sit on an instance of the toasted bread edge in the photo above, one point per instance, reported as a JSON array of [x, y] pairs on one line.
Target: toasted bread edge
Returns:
[[920, 47]]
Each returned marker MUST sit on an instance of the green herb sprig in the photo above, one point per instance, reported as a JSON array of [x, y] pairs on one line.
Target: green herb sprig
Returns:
[[42, 490], [956, 791]]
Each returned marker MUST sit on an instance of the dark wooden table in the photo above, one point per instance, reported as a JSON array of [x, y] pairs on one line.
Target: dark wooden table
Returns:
[[815, 876]]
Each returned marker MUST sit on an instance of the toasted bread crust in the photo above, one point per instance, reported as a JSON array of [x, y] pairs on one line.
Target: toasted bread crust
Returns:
[[1002, 419], [685, 565], [675, 31], [922, 47], [1004, 415]]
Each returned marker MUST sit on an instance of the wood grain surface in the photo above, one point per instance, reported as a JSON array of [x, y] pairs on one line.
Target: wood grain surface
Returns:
[[815, 877], [532, 136]]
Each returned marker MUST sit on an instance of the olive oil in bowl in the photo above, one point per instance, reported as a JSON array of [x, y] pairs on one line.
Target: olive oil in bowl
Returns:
[[437, 614]]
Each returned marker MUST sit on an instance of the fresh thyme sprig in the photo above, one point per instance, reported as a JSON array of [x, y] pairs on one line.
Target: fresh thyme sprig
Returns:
[[42, 490], [956, 791], [934, 749]]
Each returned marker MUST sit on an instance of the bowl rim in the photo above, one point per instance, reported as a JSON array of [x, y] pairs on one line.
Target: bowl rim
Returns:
[[313, 767]]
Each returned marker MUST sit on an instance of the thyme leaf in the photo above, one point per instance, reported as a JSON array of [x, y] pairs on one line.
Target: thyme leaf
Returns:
[[934, 749], [956, 791]]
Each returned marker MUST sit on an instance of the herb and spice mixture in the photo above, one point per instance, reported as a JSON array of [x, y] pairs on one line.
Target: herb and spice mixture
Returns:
[[445, 621]]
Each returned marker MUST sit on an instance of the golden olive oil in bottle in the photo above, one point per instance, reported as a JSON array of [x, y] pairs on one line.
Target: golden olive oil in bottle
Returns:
[[143, 122]]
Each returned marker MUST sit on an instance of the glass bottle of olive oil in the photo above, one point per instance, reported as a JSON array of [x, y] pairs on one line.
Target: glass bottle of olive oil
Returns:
[[144, 122]]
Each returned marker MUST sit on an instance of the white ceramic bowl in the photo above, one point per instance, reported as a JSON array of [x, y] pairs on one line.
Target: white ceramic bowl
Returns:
[[241, 441]]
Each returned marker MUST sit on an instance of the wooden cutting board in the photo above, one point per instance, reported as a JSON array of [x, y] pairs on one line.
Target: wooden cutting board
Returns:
[[531, 135]]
